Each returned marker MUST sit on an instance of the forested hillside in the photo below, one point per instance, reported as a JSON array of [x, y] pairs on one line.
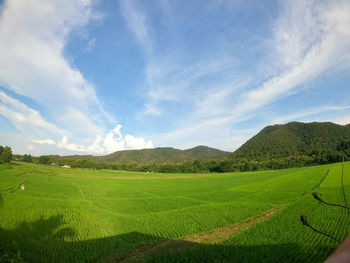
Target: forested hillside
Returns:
[[296, 139], [157, 155], [204, 152], [149, 156]]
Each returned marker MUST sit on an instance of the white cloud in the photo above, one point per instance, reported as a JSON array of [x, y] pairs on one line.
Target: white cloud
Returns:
[[26, 120], [343, 120], [30, 147], [33, 38], [136, 21], [152, 109], [47, 141], [112, 142], [318, 40], [300, 115], [23, 145], [291, 41], [33, 35], [33, 126], [132, 142], [117, 131]]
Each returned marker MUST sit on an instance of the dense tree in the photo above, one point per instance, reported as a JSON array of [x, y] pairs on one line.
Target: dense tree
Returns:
[[27, 158], [44, 159], [6, 154]]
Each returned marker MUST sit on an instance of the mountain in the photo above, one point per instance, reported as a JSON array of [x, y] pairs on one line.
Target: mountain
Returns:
[[204, 152], [295, 138], [156, 155]]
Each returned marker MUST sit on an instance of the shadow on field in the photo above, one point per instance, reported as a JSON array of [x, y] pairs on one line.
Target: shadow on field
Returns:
[[48, 240]]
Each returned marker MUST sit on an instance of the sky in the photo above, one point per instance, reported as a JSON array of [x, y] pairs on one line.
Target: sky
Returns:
[[95, 77]]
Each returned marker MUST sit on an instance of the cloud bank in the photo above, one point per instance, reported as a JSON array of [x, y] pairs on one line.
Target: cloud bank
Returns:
[[111, 142]]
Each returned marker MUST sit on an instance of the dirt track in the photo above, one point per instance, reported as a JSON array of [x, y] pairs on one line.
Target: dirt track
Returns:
[[212, 236]]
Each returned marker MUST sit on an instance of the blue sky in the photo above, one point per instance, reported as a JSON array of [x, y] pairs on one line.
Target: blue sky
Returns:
[[94, 77]]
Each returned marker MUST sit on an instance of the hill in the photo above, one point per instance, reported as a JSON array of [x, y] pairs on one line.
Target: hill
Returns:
[[295, 139], [202, 152], [156, 155]]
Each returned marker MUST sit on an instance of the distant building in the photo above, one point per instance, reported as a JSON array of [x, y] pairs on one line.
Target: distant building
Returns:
[[65, 166]]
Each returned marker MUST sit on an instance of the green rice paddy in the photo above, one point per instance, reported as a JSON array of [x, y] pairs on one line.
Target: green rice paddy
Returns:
[[77, 215]]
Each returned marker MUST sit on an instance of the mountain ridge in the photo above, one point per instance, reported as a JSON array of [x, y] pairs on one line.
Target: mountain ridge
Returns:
[[156, 155]]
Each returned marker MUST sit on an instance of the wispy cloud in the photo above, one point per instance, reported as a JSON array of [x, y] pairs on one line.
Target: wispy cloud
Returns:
[[46, 141], [90, 45], [306, 113], [172, 77], [32, 63], [317, 41], [137, 22], [308, 39], [176, 75], [33, 37], [25, 119]]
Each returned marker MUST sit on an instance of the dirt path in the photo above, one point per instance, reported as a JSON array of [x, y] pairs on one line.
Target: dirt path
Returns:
[[212, 236]]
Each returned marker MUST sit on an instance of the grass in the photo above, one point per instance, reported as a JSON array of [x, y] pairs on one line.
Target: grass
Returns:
[[283, 238], [80, 215]]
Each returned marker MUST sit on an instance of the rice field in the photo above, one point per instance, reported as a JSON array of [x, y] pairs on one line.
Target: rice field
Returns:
[[77, 215]]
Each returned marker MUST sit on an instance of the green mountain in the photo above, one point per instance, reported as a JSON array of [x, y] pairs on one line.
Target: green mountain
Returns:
[[202, 152], [295, 139], [156, 155]]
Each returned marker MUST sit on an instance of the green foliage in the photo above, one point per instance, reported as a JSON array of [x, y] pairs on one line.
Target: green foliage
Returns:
[[44, 159], [6, 154], [27, 158], [10, 256]]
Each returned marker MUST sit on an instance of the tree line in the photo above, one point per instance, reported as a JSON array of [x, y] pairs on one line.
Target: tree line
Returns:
[[228, 164]]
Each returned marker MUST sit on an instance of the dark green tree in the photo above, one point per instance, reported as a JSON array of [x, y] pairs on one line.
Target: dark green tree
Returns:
[[27, 158], [6, 154], [44, 159]]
